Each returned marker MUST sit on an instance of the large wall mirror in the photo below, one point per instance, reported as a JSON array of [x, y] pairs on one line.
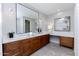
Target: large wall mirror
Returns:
[[62, 24], [26, 19]]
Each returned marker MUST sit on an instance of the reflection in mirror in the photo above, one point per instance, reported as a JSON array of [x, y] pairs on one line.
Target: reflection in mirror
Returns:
[[26, 19], [62, 24], [27, 26]]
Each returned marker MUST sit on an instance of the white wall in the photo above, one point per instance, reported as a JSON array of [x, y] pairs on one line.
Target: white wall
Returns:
[[8, 19], [76, 22], [43, 22], [0, 30]]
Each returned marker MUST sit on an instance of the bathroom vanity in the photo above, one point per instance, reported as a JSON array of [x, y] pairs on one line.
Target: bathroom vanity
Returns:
[[25, 47]]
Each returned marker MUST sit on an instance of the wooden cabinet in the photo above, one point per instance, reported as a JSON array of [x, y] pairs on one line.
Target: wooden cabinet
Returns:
[[35, 44], [44, 40], [12, 49], [67, 41], [25, 47]]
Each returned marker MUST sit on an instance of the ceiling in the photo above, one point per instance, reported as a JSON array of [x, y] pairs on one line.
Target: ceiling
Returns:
[[50, 8]]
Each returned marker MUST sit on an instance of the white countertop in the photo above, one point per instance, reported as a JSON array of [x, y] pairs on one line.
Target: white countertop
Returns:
[[65, 34], [30, 35], [23, 36]]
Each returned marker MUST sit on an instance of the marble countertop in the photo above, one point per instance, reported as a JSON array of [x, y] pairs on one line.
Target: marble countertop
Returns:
[[63, 34], [32, 34], [23, 36]]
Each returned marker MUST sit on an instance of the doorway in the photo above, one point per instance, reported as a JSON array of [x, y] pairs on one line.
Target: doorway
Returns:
[[27, 26]]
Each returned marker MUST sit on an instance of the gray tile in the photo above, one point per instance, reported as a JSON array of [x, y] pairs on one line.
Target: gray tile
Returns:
[[53, 49]]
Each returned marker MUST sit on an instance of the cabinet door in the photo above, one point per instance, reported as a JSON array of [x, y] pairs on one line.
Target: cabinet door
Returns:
[[26, 44], [35, 43], [67, 41], [44, 40], [11, 49]]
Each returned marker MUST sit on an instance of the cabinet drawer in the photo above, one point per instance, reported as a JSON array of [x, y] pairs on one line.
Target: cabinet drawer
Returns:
[[67, 41], [68, 44]]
